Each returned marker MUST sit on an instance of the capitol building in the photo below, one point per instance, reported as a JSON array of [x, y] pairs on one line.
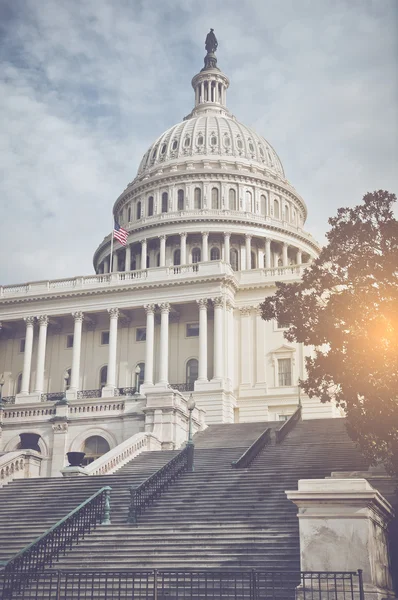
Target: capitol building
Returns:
[[213, 223]]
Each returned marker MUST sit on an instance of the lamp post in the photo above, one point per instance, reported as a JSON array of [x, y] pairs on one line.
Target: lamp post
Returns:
[[190, 444], [137, 372], [2, 381]]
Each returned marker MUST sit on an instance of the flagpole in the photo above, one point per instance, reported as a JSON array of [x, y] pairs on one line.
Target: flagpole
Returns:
[[111, 257]]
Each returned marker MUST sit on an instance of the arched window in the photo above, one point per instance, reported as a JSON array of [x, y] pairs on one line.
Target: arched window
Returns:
[[150, 206], [214, 254], [215, 198], [19, 384], [276, 209], [141, 377], [177, 257], [249, 202], [103, 376], [180, 200], [197, 198], [263, 205], [234, 259], [138, 211], [94, 447], [129, 214], [196, 255], [165, 200], [232, 199], [286, 213], [191, 372], [253, 260]]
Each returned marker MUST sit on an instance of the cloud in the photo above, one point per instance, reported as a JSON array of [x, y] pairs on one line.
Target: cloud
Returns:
[[86, 87]]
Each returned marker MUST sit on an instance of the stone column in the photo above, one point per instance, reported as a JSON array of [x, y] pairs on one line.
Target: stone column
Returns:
[[106, 264], [246, 346], [284, 255], [27, 357], [205, 246], [41, 353], [267, 253], [111, 379], [202, 374], [127, 265], [299, 257], [164, 344], [162, 261], [115, 266], [218, 338], [230, 341], [150, 338], [248, 251], [59, 445], [143, 254], [183, 248], [227, 248], [76, 352]]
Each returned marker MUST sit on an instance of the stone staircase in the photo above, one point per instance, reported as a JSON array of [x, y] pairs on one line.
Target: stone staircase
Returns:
[[215, 517]]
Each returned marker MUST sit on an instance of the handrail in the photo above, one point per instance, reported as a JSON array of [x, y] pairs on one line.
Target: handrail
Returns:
[[287, 426], [144, 494], [249, 455], [46, 549]]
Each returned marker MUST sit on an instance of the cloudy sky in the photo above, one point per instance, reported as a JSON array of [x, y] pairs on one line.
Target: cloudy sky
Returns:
[[87, 85]]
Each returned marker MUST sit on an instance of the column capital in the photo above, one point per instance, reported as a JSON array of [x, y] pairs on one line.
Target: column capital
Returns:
[[226, 234], [162, 237], [248, 236], [245, 310], [205, 234], [43, 320], [218, 302], [229, 304], [113, 313], [285, 244], [143, 241], [202, 302], [78, 316], [29, 321], [183, 234], [149, 308], [164, 307]]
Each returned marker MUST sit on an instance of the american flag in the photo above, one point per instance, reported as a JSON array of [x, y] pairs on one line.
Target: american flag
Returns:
[[120, 234]]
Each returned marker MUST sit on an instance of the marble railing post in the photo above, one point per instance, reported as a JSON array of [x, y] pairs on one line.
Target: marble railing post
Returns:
[[218, 338], [248, 251], [267, 253], [164, 344], [162, 249], [202, 373], [111, 378], [143, 254], [205, 246], [227, 238], [41, 353], [183, 248], [149, 348], [27, 358], [77, 344]]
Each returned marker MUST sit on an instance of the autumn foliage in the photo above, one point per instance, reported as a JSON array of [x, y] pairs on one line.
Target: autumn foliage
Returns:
[[346, 307]]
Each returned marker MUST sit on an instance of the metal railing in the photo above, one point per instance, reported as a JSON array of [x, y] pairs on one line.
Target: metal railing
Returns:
[[8, 399], [52, 396], [46, 549], [150, 489], [183, 387], [287, 426], [184, 584], [89, 394], [250, 454]]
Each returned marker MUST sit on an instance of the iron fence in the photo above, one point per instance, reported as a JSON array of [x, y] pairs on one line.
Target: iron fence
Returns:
[[184, 584]]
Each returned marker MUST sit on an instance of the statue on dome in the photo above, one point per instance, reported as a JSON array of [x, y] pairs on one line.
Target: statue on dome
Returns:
[[211, 42]]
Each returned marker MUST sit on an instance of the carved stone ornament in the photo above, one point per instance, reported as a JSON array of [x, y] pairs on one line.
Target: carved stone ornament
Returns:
[[164, 307], [202, 302], [43, 319], [218, 302], [113, 313], [229, 304], [78, 316], [245, 310], [29, 321], [60, 427], [149, 308]]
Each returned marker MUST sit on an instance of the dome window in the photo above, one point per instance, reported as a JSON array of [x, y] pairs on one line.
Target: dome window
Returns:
[[261, 151], [180, 200], [163, 149], [227, 142], [196, 255], [175, 145], [215, 253], [232, 199], [201, 140], [213, 140], [239, 143], [251, 147], [154, 153], [197, 198], [150, 206], [187, 142]]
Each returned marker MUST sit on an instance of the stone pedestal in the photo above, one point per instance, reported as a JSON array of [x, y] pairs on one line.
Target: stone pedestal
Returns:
[[74, 472], [343, 527]]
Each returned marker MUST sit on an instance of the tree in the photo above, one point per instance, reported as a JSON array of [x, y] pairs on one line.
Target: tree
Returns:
[[346, 308]]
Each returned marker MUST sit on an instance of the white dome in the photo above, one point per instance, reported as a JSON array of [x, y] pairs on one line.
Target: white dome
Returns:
[[210, 136]]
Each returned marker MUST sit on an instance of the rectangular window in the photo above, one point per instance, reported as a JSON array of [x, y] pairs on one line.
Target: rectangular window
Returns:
[[285, 371], [192, 329], [22, 345], [140, 334], [283, 417], [69, 340], [104, 338], [282, 324]]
